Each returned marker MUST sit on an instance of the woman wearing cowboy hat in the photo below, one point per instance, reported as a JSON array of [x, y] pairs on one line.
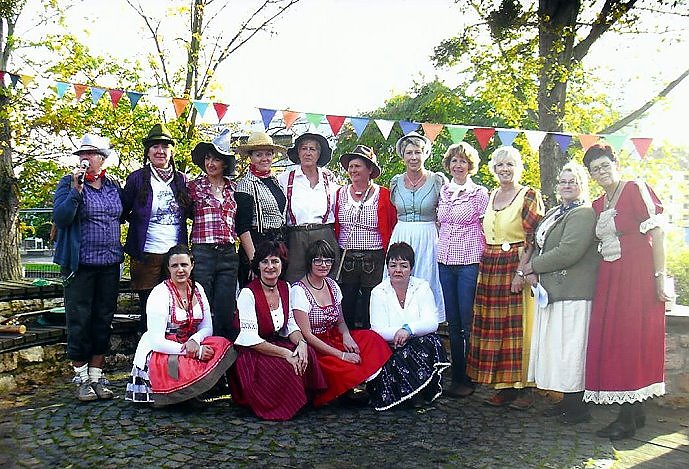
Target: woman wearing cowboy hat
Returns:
[[310, 193], [260, 200], [87, 210], [213, 234], [364, 220], [155, 203], [415, 195]]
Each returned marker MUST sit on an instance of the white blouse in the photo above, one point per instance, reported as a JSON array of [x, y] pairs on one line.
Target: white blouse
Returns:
[[248, 321]]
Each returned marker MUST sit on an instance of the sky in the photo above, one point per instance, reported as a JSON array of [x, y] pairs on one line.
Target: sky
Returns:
[[346, 57]]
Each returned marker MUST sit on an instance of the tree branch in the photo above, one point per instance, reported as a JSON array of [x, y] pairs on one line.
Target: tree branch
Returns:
[[154, 35], [609, 14]]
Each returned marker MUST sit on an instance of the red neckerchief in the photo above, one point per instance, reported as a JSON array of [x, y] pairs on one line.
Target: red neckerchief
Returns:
[[259, 174], [165, 174], [94, 177]]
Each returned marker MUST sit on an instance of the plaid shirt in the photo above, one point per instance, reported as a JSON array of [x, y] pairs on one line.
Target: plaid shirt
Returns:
[[362, 226], [100, 225], [213, 219]]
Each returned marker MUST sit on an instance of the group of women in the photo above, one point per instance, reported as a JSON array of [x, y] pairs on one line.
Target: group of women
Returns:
[[343, 287]]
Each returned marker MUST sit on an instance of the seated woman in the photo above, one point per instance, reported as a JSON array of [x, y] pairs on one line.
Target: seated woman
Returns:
[[178, 358], [404, 313], [276, 372], [347, 358]]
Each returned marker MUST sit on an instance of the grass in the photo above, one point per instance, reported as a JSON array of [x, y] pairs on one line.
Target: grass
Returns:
[[46, 267]]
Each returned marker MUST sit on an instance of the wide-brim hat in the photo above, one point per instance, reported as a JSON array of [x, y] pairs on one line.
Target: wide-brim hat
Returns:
[[259, 141], [326, 152], [158, 133], [220, 147], [400, 142], [94, 143], [365, 153]]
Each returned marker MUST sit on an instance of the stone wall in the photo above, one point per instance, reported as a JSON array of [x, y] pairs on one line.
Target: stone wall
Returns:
[[676, 359]]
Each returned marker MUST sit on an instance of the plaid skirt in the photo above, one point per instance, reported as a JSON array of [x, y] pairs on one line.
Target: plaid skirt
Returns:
[[501, 331]]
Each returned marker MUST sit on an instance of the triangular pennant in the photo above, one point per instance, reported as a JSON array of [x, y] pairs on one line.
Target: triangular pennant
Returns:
[[134, 98], [457, 133], [384, 126], [641, 145], [335, 123], [314, 119], [483, 135], [587, 140], [535, 138], [14, 79], [62, 88], [267, 116], [359, 124], [79, 90], [616, 141], [200, 107], [180, 104], [96, 94], [115, 96], [288, 117], [26, 79], [431, 131], [408, 126], [220, 110], [507, 136], [562, 140]]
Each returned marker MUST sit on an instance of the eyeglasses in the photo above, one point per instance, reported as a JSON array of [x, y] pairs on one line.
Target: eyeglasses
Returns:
[[323, 261], [568, 183], [603, 167]]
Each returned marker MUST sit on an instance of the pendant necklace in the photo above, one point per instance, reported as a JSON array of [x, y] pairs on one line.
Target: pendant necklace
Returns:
[[609, 201], [313, 286], [414, 184], [267, 285]]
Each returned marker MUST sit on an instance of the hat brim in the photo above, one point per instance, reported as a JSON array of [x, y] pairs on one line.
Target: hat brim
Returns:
[[398, 145], [347, 157], [198, 157], [148, 142], [244, 150], [326, 152], [101, 151]]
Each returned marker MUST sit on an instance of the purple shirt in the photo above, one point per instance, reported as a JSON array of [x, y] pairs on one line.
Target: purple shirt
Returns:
[[461, 239], [100, 226]]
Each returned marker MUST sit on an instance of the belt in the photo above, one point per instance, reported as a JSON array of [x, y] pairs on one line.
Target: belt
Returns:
[[218, 246], [311, 226]]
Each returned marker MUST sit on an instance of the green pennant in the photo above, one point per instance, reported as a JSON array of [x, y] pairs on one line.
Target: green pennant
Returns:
[[315, 119], [616, 141], [457, 133]]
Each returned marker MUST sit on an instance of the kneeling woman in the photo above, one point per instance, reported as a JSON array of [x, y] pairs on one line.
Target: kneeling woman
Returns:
[[404, 313], [276, 373], [178, 358], [347, 359]]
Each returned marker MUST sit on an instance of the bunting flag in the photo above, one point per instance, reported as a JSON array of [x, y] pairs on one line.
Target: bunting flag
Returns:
[[26, 79], [562, 141], [220, 110], [14, 79], [616, 141], [200, 106], [96, 94], [79, 90], [641, 145], [180, 104], [408, 127], [335, 123], [384, 126], [507, 136], [134, 98], [535, 138], [431, 131], [483, 135], [61, 88], [359, 124], [288, 117], [457, 133], [267, 116], [587, 140], [314, 119], [115, 96]]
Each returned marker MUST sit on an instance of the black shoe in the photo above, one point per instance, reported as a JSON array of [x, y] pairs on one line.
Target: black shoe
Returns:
[[554, 410], [574, 417], [618, 430], [459, 390]]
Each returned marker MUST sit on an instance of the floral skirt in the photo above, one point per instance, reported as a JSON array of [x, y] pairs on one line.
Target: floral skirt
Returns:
[[416, 367]]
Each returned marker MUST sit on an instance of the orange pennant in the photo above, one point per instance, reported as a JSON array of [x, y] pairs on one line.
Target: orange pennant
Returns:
[[587, 140], [641, 145], [180, 104], [483, 135], [220, 110], [335, 123], [115, 96], [431, 131], [79, 90], [289, 117]]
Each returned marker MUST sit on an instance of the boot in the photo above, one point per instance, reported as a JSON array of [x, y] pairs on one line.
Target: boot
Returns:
[[575, 409], [623, 427], [639, 414]]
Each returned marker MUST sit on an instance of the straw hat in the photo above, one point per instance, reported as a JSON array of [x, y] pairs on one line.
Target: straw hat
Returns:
[[326, 152], [400, 142], [366, 154], [259, 141], [220, 147]]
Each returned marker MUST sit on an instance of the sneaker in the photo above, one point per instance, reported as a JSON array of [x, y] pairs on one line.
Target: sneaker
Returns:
[[101, 389], [85, 392]]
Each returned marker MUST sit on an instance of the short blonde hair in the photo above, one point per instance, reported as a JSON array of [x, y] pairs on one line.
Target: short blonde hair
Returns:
[[507, 153], [581, 176], [462, 150], [417, 142]]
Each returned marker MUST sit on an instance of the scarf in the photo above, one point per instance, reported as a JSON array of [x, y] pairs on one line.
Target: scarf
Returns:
[[164, 174], [257, 173], [566, 208], [94, 177]]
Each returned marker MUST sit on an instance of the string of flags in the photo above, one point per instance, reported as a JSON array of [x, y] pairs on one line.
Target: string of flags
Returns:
[[457, 132]]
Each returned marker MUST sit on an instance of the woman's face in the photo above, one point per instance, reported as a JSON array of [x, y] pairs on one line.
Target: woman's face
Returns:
[[215, 166], [413, 157], [321, 266], [399, 269], [270, 269], [262, 160], [504, 169], [358, 171], [568, 187], [308, 153], [604, 171], [180, 267], [159, 155], [95, 161], [459, 168]]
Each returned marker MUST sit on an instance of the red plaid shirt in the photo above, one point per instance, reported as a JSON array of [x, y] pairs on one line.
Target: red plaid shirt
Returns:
[[213, 219]]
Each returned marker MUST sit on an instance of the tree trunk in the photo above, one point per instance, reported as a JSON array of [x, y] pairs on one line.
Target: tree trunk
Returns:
[[10, 260]]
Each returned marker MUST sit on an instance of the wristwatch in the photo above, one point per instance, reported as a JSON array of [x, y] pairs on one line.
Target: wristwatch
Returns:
[[520, 273]]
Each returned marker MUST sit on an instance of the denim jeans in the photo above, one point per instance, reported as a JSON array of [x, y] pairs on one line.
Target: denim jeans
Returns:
[[215, 268], [459, 288]]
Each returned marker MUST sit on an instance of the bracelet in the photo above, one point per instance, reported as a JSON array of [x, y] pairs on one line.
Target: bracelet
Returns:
[[660, 273], [520, 273], [343, 355], [200, 352], [408, 329], [303, 340]]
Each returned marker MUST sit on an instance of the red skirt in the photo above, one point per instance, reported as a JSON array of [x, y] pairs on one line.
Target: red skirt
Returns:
[[343, 376], [177, 378]]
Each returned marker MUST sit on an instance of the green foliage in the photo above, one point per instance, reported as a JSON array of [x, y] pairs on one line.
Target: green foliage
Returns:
[[678, 267]]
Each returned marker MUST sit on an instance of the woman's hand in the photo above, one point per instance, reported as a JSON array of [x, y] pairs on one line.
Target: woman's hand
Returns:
[[207, 353], [191, 348], [401, 337], [531, 279], [517, 284], [660, 289], [302, 352], [349, 343], [351, 357]]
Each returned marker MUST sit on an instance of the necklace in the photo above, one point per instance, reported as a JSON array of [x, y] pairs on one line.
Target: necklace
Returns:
[[267, 285], [414, 184], [609, 201], [360, 193], [314, 286], [219, 189]]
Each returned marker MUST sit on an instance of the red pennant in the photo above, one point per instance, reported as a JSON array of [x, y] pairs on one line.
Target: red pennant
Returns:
[[220, 110], [483, 135], [115, 96], [431, 131], [335, 123], [587, 140], [180, 104], [641, 145], [79, 90], [289, 117]]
